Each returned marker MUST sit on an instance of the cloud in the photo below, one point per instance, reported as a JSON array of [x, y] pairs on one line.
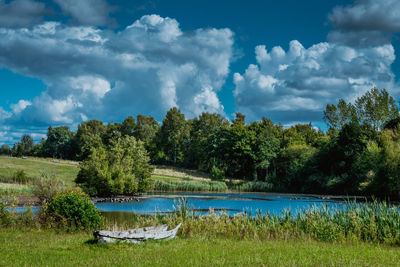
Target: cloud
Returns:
[[21, 13], [87, 12], [367, 15], [365, 23], [296, 84], [148, 67], [20, 106]]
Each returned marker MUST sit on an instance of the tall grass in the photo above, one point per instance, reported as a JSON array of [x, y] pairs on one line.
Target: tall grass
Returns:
[[189, 186], [375, 222], [253, 186]]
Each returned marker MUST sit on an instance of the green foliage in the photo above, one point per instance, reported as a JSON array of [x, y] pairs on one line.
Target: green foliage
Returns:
[[47, 186], [217, 174], [119, 168], [191, 186], [27, 144], [374, 108], [357, 155], [254, 186], [5, 150], [174, 134], [20, 177], [6, 217], [59, 143], [72, 210]]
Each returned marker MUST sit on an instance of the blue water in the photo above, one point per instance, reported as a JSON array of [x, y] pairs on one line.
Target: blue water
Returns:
[[220, 202]]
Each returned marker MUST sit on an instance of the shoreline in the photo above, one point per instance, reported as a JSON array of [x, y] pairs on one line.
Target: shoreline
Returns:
[[22, 201]]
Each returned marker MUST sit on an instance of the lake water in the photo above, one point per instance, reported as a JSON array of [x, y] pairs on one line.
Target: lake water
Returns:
[[231, 203]]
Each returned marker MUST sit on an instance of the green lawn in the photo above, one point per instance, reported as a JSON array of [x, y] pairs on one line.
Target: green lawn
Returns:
[[46, 248]]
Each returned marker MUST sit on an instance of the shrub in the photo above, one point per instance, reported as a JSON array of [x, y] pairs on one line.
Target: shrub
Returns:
[[6, 217], [20, 177], [47, 186], [217, 174], [72, 209]]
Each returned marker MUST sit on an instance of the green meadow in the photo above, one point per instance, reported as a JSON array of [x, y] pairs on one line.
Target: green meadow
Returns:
[[48, 248]]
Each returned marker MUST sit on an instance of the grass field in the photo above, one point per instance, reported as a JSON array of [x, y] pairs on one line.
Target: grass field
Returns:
[[169, 178], [33, 167], [47, 248]]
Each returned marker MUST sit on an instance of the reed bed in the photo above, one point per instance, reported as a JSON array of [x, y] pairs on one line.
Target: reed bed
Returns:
[[375, 222], [253, 186], [191, 186]]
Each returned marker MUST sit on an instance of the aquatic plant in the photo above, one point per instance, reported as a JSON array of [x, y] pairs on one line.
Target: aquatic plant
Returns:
[[376, 222], [191, 186]]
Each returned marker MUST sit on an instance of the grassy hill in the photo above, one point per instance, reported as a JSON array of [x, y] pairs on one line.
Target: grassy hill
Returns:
[[164, 178]]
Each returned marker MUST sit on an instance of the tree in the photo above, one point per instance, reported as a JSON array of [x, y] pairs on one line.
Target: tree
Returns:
[[376, 107], [201, 129], [122, 167], [5, 150], [239, 149], [84, 139], [174, 134], [337, 116], [146, 128], [27, 144], [18, 150], [59, 143], [266, 148], [128, 126]]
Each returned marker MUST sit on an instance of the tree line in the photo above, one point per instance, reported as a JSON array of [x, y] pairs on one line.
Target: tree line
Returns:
[[358, 154]]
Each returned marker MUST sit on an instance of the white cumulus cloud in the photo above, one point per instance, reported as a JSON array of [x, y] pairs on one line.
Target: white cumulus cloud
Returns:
[[297, 84], [148, 67]]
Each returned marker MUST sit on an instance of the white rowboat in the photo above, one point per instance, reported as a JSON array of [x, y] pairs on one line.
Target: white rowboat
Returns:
[[136, 235]]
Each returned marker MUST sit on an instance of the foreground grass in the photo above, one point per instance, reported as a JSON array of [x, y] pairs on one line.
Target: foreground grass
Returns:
[[47, 248]]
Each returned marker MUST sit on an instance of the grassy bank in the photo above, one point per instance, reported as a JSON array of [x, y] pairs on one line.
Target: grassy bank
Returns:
[[47, 248], [164, 178], [34, 167]]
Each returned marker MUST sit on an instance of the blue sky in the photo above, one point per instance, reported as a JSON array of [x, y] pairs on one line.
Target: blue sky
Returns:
[[63, 62]]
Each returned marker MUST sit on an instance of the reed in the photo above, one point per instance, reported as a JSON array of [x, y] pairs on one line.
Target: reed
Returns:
[[375, 222], [190, 186]]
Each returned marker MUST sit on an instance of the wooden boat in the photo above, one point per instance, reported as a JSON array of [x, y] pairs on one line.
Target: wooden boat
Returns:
[[136, 236]]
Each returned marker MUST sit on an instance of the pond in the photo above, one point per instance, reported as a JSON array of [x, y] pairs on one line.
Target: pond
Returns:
[[230, 203]]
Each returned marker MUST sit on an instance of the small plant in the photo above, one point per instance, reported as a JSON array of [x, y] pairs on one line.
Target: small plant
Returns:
[[20, 177], [47, 186], [217, 174], [72, 209], [6, 217]]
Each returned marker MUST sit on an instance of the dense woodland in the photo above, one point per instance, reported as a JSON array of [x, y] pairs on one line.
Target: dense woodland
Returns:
[[358, 154]]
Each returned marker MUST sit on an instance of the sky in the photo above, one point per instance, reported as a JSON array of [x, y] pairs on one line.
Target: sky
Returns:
[[63, 62]]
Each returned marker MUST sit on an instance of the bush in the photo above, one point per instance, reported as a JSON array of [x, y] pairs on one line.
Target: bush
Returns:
[[72, 209], [47, 186], [5, 217], [217, 174], [20, 177]]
